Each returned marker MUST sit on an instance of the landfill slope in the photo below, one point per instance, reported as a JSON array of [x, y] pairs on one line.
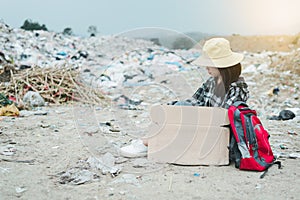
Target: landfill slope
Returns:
[[70, 151]]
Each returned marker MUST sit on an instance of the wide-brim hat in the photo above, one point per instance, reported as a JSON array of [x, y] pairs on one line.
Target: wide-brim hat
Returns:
[[216, 52]]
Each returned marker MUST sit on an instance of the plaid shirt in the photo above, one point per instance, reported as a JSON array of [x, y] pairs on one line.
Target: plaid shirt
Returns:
[[205, 96]]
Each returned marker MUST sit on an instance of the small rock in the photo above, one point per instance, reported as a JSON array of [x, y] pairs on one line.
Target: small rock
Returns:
[[33, 99]]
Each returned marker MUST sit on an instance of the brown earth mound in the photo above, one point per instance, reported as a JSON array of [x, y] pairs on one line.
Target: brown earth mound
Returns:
[[264, 43]]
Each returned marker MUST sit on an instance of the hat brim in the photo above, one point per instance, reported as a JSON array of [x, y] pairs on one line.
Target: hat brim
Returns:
[[223, 62]]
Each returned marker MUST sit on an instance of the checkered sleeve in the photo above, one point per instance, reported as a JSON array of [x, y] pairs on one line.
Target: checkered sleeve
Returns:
[[236, 93], [203, 95]]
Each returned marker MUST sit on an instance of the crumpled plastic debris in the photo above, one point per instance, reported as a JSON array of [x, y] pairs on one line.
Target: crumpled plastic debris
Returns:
[[20, 189], [290, 132], [106, 164], [128, 179], [294, 155], [77, 176], [126, 103], [80, 54], [4, 58], [274, 91], [284, 115], [283, 146], [8, 150], [9, 110], [4, 101]]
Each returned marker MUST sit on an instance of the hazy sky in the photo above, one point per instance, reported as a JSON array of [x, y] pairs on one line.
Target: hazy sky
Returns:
[[246, 17]]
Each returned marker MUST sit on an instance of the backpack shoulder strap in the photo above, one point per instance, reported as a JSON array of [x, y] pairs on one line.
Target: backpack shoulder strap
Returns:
[[239, 103]]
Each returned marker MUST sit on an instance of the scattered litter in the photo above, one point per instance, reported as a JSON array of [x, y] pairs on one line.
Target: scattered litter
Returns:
[[106, 164], [292, 132], [274, 91], [4, 101], [258, 186], [283, 115], [105, 124], [77, 177], [8, 150], [197, 174], [9, 110], [20, 189], [128, 179], [126, 103], [294, 155], [114, 130], [283, 146], [80, 54], [7, 107]]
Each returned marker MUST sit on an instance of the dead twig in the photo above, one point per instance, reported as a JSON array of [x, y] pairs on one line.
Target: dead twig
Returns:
[[55, 85]]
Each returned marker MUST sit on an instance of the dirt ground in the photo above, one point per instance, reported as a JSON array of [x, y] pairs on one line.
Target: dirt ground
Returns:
[[48, 153]]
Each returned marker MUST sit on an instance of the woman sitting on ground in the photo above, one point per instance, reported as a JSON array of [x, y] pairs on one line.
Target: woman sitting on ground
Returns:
[[222, 89]]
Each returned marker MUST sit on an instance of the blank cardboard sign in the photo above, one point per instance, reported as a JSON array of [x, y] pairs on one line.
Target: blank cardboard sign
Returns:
[[188, 135]]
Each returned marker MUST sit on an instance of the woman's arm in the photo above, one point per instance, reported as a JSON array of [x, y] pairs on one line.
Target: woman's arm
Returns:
[[236, 93]]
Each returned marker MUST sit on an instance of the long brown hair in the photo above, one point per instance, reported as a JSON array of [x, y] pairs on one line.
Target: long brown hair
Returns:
[[229, 75]]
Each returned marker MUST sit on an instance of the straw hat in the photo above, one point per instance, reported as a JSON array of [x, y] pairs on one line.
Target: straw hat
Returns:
[[217, 53]]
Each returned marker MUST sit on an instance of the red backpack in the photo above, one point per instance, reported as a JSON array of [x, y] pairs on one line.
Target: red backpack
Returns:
[[249, 146]]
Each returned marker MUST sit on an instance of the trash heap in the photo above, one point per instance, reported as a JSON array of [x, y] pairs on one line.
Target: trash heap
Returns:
[[49, 63], [63, 68], [272, 78], [287, 62], [42, 62]]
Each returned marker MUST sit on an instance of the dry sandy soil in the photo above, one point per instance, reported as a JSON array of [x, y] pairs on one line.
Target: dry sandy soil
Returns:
[[51, 156]]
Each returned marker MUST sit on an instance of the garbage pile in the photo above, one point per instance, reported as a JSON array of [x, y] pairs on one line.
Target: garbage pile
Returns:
[[272, 78], [49, 63], [62, 67], [91, 68], [287, 62]]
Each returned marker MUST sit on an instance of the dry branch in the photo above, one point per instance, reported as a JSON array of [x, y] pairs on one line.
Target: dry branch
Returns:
[[55, 85]]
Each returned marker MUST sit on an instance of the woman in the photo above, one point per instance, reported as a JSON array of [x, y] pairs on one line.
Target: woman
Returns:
[[222, 89]]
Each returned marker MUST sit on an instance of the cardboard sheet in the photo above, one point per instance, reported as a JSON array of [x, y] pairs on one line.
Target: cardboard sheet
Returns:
[[189, 135]]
